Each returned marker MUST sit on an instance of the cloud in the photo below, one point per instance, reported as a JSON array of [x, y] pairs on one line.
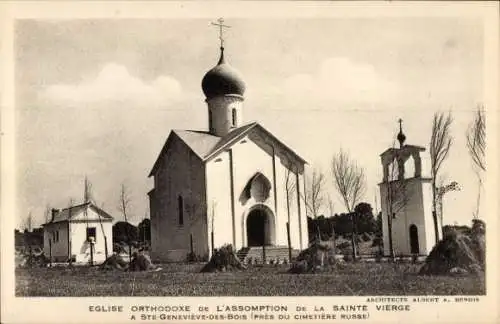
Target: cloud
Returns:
[[339, 80], [115, 84]]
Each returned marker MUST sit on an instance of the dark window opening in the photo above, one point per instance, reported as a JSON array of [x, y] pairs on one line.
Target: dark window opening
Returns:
[[180, 204], [234, 116], [210, 122], [91, 233]]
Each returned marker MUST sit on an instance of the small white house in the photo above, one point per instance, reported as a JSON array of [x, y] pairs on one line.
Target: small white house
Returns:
[[72, 230]]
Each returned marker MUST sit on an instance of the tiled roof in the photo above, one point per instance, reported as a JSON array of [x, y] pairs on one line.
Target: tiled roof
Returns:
[[200, 142], [205, 145], [71, 212]]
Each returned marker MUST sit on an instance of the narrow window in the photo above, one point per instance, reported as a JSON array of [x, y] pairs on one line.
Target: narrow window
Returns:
[[210, 122], [181, 210], [91, 233], [234, 116]]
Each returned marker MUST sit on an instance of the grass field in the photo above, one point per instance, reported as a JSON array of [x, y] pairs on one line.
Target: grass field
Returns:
[[184, 280]]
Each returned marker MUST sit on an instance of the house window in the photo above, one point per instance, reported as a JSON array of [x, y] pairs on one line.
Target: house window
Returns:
[[234, 116], [91, 233], [55, 236], [180, 207]]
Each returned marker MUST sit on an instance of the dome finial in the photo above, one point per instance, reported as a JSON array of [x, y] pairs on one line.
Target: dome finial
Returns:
[[221, 59], [401, 136]]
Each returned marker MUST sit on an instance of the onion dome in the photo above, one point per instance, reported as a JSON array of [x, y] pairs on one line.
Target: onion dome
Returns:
[[222, 80]]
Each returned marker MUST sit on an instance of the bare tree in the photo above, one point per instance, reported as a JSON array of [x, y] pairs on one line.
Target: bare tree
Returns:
[[124, 202], [331, 205], [290, 186], [123, 206], [440, 145], [314, 193], [48, 213], [350, 182], [476, 143]]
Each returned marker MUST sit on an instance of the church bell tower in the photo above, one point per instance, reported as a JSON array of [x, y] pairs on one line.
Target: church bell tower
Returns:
[[406, 201], [224, 88]]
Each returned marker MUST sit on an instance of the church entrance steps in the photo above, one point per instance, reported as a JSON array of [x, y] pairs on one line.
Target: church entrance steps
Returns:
[[274, 254]]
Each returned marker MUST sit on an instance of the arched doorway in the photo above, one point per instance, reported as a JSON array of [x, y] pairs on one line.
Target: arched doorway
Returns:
[[260, 227], [414, 246]]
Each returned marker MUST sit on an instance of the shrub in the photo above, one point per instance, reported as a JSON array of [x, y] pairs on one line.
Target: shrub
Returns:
[[223, 259]]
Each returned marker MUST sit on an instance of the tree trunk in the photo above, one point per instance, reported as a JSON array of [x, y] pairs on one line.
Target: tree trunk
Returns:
[[105, 247], [390, 216], [129, 251], [479, 185], [434, 213], [353, 238], [212, 241], [91, 254], [289, 242]]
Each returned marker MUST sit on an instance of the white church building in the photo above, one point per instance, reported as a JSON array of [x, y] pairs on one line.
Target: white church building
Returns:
[[406, 201], [230, 181]]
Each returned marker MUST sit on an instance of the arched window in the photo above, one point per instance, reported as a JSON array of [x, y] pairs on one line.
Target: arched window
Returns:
[[409, 167], [180, 208], [234, 116]]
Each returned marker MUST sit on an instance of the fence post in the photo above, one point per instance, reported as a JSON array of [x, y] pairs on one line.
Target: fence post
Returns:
[[191, 243], [91, 253], [50, 252], [212, 241]]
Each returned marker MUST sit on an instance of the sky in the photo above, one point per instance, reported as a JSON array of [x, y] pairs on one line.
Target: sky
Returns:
[[98, 98]]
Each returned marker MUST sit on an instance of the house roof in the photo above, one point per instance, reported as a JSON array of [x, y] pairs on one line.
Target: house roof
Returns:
[[70, 213], [206, 145]]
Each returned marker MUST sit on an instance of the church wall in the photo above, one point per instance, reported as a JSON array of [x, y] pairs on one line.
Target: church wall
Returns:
[[250, 158], [295, 236], [251, 155], [219, 200], [415, 210], [182, 174]]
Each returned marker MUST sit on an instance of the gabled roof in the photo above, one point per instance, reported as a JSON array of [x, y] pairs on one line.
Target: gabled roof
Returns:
[[201, 143], [393, 150], [70, 213], [206, 145]]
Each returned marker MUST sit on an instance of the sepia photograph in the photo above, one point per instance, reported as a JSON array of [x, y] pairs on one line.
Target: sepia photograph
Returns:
[[252, 156]]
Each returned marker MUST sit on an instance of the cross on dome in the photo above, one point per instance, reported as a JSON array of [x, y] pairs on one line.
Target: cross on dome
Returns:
[[222, 80], [220, 24]]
